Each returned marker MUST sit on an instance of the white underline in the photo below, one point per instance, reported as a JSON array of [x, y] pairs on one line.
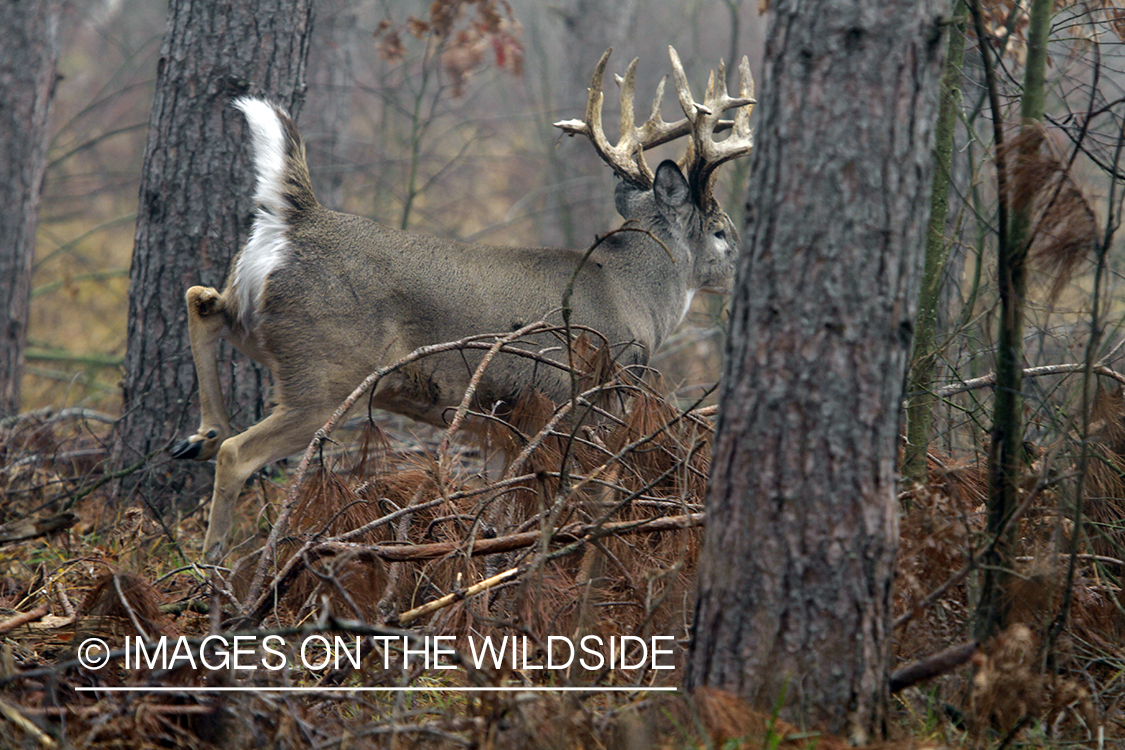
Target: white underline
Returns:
[[284, 689]]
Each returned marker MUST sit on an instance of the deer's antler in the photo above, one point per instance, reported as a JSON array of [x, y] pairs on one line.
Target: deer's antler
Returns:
[[702, 121], [627, 157], [705, 154]]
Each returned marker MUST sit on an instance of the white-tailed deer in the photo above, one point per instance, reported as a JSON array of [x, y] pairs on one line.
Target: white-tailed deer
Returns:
[[323, 298]]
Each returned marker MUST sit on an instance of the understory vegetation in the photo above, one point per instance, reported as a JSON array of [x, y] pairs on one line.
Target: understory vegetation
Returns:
[[581, 519], [522, 529]]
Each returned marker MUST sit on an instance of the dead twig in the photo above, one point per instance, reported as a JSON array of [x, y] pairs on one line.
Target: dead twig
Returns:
[[24, 618], [932, 666], [989, 380], [13, 715], [575, 535], [411, 615]]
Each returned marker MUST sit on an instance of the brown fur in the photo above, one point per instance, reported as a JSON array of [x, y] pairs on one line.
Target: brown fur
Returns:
[[324, 299]]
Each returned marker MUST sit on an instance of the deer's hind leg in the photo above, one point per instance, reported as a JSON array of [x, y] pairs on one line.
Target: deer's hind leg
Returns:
[[284, 432], [206, 319]]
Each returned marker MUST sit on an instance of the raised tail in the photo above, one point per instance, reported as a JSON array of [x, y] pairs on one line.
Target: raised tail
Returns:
[[283, 192], [283, 184]]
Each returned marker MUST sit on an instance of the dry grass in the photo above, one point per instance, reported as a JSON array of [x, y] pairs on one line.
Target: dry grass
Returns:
[[1035, 683], [388, 535]]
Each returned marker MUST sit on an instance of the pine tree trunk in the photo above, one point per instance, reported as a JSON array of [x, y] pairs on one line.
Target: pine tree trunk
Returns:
[[195, 211], [794, 590], [27, 82]]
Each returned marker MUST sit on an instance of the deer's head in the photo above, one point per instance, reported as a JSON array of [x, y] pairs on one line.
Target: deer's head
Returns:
[[677, 202]]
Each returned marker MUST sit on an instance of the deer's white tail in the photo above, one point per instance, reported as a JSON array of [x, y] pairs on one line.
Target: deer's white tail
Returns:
[[282, 191]]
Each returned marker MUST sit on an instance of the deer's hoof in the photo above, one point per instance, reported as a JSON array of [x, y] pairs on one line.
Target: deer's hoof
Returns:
[[198, 447], [212, 553], [188, 448]]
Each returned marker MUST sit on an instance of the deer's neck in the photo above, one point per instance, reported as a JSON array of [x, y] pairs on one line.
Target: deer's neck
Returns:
[[657, 287]]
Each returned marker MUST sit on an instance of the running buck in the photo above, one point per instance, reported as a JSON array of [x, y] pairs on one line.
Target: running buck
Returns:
[[323, 298]]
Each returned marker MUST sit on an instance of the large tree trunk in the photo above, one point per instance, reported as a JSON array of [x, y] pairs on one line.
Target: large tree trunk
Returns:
[[795, 578], [195, 210], [27, 82]]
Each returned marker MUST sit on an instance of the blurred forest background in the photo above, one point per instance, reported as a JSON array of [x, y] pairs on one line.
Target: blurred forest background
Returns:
[[461, 147]]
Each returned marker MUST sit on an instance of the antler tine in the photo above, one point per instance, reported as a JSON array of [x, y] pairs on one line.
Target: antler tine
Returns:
[[704, 154], [627, 157], [628, 86], [658, 100], [742, 130], [593, 125], [711, 80], [701, 120], [619, 157], [655, 131], [739, 142], [683, 89]]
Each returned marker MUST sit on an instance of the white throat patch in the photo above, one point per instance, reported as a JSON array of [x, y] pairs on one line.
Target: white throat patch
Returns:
[[687, 305]]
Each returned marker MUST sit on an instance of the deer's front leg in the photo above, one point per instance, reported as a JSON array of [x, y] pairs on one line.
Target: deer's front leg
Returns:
[[206, 319]]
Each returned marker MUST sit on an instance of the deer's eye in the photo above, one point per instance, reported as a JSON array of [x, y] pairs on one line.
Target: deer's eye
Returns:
[[721, 235]]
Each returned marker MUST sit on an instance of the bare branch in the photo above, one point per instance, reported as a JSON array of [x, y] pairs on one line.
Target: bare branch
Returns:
[[989, 380]]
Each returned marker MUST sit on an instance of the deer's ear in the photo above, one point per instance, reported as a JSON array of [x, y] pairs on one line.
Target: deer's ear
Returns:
[[670, 188]]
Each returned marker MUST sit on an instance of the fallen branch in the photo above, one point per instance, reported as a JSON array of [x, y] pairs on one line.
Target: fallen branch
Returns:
[[989, 380], [24, 618], [411, 615], [932, 666], [29, 528], [51, 414], [574, 533], [12, 714]]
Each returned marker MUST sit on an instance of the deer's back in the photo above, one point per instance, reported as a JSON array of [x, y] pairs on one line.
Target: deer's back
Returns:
[[356, 296]]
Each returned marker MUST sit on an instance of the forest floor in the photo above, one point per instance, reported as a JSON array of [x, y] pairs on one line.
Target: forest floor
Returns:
[[386, 542]]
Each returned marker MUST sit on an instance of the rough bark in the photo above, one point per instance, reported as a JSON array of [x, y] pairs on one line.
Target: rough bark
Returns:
[[195, 210], [27, 81], [795, 579]]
